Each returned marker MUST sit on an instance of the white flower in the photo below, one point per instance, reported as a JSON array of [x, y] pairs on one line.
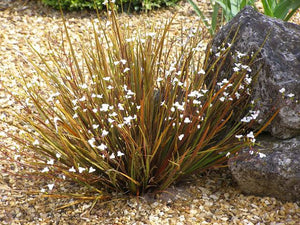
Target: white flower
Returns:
[[129, 92], [261, 155], [43, 190], [95, 126], [228, 154], [222, 99], [82, 99], [95, 110], [179, 107], [110, 120], [50, 186], [246, 119], [112, 156], [201, 72], [102, 147], [92, 142], [255, 114], [282, 90], [196, 94], [91, 170], [225, 81], [50, 162], [121, 108], [128, 119], [104, 133], [290, 95], [84, 86], [120, 125], [55, 123], [17, 156], [123, 61], [187, 120], [72, 169], [196, 102], [236, 69], [81, 169], [58, 155], [106, 78], [113, 114], [75, 116], [126, 70], [250, 135], [239, 136], [109, 87], [248, 80], [45, 170], [240, 55], [104, 107], [180, 137], [119, 154], [159, 79], [180, 84], [36, 142], [151, 34]]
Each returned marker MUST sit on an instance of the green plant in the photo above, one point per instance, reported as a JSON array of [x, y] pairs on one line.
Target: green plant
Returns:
[[212, 26], [131, 5], [229, 9], [135, 115], [282, 9], [232, 7]]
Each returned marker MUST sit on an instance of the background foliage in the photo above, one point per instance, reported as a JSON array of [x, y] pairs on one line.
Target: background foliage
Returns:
[[131, 5]]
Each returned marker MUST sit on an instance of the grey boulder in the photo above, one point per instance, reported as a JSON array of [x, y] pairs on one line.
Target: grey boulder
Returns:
[[274, 167], [271, 170], [278, 63]]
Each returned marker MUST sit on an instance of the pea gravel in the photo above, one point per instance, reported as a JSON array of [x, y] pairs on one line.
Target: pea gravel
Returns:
[[211, 198]]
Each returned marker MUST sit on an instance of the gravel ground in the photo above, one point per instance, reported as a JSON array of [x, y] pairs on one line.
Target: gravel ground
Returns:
[[211, 198]]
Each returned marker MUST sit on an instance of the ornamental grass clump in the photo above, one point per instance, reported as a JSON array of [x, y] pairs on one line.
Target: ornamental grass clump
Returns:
[[132, 114]]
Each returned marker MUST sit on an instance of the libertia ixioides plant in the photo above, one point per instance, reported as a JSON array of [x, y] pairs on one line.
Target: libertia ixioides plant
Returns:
[[132, 114]]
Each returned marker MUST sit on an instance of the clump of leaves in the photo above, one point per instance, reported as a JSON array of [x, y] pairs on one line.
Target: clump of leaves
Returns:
[[282, 9], [229, 9], [134, 115]]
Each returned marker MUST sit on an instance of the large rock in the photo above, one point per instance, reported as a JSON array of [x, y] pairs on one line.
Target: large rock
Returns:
[[274, 171], [279, 60], [277, 72]]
